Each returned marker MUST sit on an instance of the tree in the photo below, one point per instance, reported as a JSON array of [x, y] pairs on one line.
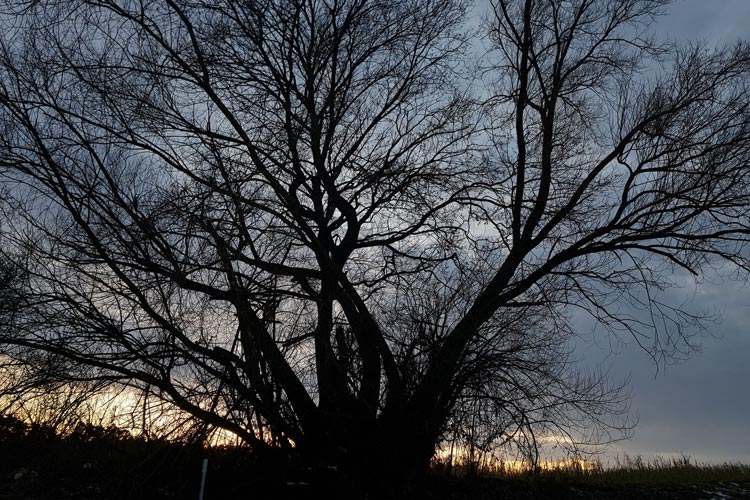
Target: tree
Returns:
[[299, 221]]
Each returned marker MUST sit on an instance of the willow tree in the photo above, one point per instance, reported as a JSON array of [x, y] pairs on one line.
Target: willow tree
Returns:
[[302, 222]]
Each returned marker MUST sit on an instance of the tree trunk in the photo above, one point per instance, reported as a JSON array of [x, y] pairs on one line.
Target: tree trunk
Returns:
[[393, 462], [371, 460]]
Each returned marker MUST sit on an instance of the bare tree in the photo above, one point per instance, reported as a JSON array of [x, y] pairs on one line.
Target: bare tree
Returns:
[[297, 221]]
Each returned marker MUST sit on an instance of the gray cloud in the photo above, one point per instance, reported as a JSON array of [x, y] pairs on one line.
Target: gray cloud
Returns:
[[714, 21], [700, 407]]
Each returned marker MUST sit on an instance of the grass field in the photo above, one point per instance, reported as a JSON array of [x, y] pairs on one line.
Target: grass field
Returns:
[[627, 478], [106, 464], [658, 470], [624, 470]]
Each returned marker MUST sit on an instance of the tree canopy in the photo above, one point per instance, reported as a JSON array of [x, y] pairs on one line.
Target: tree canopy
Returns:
[[327, 224]]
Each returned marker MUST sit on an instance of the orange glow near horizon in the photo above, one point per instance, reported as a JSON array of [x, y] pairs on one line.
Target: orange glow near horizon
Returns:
[[496, 463]]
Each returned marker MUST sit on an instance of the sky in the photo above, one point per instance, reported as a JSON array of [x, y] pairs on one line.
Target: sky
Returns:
[[709, 20], [700, 407]]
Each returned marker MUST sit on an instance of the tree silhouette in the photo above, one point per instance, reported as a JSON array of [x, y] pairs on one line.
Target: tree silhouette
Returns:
[[302, 222]]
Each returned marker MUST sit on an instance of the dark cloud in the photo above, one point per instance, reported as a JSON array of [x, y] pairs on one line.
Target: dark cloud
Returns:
[[714, 21], [699, 407]]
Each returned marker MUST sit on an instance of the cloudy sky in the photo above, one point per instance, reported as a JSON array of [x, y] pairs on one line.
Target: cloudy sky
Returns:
[[710, 20], [700, 407]]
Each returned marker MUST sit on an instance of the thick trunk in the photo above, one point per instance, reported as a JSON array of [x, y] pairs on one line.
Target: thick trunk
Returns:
[[388, 460], [373, 460], [387, 469]]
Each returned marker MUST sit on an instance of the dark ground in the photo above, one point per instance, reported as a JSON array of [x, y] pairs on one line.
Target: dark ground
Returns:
[[546, 490], [107, 464], [38, 487]]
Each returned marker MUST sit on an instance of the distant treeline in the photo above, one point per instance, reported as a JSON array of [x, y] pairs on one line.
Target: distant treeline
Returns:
[[103, 463]]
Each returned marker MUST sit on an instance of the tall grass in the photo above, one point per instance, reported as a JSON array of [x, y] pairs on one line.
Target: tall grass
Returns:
[[625, 470], [683, 470]]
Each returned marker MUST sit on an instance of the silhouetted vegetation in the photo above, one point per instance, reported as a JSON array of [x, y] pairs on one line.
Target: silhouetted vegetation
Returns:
[[107, 463], [95, 462], [341, 229]]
